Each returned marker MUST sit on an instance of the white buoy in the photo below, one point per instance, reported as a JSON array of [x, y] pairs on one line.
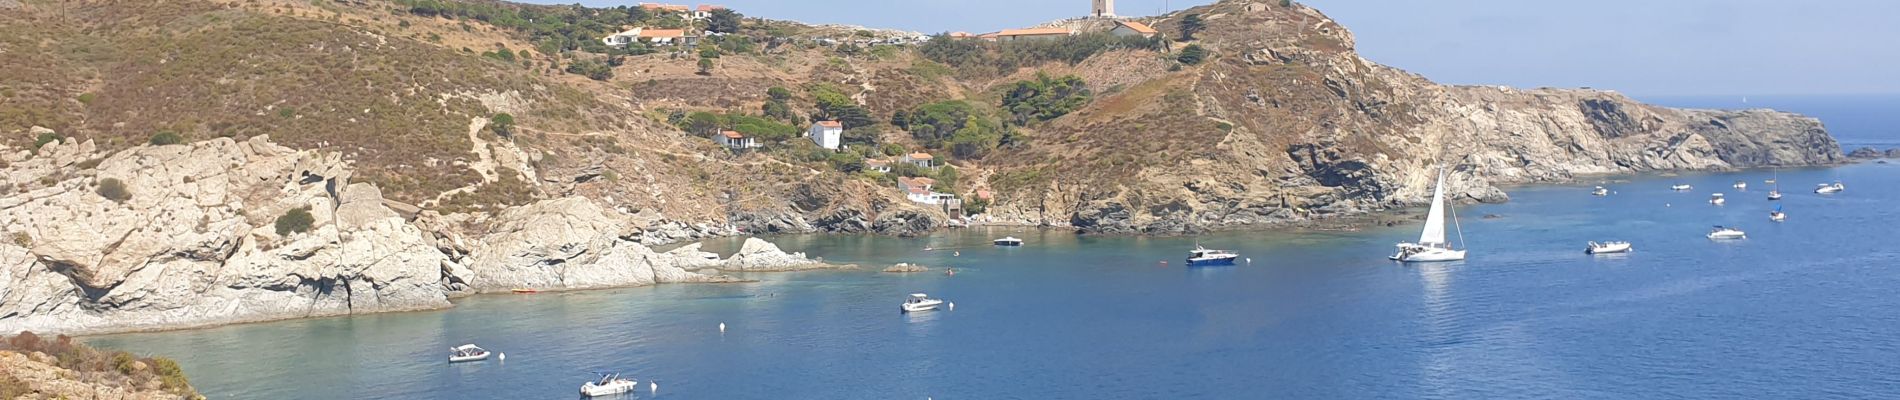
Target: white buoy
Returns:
[[722, 327], [1250, 260], [502, 356], [953, 306], [653, 387]]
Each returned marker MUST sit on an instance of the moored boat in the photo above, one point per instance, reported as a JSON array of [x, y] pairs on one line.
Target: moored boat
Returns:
[[1717, 199], [1777, 215], [1600, 192], [919, 302], [1009, 241], [1432, 245], [467, 352], [1607, 247], [1774, 195], [1680, 187], [1205, 256], [1724, 232], [609, 384], [1741, 185], [1830, 188]]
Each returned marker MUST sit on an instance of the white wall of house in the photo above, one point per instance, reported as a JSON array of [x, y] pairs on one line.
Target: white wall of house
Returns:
[[826, 137]]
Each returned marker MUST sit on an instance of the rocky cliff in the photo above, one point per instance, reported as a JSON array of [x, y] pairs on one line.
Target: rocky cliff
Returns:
[[157, 237], [1286, 124]]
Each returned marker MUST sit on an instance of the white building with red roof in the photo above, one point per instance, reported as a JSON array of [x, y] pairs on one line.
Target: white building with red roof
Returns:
[[826, 134], [920, 159], [1132, 28], [736, 141]]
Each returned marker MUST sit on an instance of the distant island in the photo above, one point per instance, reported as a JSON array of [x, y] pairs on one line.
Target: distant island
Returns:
[[197, 162]]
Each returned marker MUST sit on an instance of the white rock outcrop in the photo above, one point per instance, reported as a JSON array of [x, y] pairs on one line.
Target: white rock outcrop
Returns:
[[191, 241]]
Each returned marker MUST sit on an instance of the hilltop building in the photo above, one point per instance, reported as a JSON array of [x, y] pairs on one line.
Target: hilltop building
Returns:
[[1102, 8], [826, 134], [1132, 28]]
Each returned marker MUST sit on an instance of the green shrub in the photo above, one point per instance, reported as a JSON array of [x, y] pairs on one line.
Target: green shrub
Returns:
[[296, 220], [1192, 54], [1045, 98], [502, 124], [45, 138], [86, 98], [123, 362], [114, 189], [166, 138]]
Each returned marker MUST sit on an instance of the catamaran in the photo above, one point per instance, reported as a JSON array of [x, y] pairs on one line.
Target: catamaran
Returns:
[[1205, 256], [609, 384], [1432, 245]]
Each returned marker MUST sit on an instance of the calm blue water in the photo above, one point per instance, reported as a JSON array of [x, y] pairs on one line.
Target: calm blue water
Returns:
[[1802, 309]]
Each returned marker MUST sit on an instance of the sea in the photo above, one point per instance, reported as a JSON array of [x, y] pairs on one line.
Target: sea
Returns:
[[1800, 309]]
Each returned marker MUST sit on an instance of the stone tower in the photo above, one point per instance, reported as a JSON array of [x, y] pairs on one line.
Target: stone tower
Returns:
[[1102, 8]]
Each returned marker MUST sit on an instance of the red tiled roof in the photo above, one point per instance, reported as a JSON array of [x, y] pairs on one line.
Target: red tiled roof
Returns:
[[983, 194], [733, 134], [830, 124], [662, 33], [1034, 32], [667, 7], [709, 8], [923, 181], [876, 163], [960, 35], [920, 156], [1138, 27]]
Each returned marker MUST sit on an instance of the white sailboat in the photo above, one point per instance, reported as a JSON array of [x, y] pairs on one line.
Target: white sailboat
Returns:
[[1432, 245]]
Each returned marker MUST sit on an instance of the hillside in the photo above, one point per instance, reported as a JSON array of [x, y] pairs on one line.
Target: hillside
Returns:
[[193, 162]]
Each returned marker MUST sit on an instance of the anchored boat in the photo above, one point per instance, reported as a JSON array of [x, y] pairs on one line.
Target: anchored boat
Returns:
[[1008, 241], [467, 352], [609, 384], [1205, 256], [1432, 245], [1723, 232], [920, 302], [1607, 248]]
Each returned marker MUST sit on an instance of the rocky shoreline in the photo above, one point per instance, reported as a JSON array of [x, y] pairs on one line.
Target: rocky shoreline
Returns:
[[192, 235]]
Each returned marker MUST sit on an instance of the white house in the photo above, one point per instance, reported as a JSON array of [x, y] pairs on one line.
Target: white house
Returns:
[[658, 37], [705, 11], [921, 160], [1126, 28], [918, 190], [826, 134], [736, 141], [1034, 33], [623, 38]]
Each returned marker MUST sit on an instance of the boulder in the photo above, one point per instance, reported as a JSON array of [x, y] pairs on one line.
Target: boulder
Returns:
[[758, 255], [906, 268]]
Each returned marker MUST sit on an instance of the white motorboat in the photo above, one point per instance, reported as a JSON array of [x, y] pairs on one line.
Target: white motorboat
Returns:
[[1827, 188], [920, 302], [1608, 248], [609, 384], [1681, 187], [1432, 245], [467, 352], [1205, 256], [1600, 192], [1741, 185], [1723, 232], [1010, 241], [1717, 199]]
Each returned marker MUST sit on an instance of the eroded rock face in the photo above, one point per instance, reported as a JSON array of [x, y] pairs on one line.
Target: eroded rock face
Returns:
[[192, 242]]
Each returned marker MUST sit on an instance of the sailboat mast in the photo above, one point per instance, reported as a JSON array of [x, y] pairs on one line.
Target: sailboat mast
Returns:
[[1455, 224]]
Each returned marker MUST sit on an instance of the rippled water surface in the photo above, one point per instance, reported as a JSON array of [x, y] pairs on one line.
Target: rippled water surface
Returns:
[[1802, 309]]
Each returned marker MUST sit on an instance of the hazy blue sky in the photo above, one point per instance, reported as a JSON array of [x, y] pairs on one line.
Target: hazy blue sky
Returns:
[[1642, 47]]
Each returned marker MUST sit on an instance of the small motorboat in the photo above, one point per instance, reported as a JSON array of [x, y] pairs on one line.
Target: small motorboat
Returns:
[[920, 302], [609, 384], [1774, 195], [1717, 199], [1741, 185], [1681, 187], [1723, 232], [1205, 256], [1600, 192], [1607, 248], [1830, 188], [1770, 181], [1009, 241], [467, 352]]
